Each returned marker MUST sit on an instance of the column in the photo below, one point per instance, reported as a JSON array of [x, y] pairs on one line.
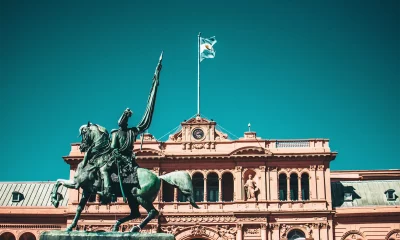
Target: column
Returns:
[[288, 187], [263, 231], [262, 187], [273, 183], [316, 234], [330, 229], [313, 183], [275, 232], [238, 184], [161, 192], [299, 187], [175, 194], [323, 231], [220, 189], [205, 190], [239, 234], [328, 187], [320, 182]]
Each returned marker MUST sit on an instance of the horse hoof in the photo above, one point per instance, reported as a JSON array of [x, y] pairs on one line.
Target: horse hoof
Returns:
[[55, 203], [115, 229], [135, 229]]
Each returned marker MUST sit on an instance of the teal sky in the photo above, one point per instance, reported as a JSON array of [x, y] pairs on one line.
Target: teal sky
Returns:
[[293, 69]]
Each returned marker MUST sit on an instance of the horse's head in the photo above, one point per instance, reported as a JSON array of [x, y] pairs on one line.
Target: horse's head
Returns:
[[87, 140], [92, 134]]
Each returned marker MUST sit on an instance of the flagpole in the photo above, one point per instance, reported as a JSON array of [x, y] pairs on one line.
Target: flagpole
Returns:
[[198, 76]]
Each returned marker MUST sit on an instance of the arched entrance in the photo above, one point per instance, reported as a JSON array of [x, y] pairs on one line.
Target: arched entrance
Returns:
[[296, 234], [27, 236], [7, 236]]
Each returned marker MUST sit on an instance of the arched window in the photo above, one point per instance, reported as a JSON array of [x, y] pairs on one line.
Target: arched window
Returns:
[[296, 235], [7, 236], [198, 187], [294, 187], [181, 197], [27, 236], [227, 187], [282, 187], [305, 187], [167, 192], [212, 187]]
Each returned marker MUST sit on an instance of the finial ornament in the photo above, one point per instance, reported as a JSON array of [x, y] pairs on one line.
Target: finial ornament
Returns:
[[249, 125]]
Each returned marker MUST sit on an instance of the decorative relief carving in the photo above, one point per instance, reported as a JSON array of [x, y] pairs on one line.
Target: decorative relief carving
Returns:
[[205, 219], [263, 226], [284, 229], [198, 145], [198, 230], [273, 169], [251, 231], [253, 219], [309, 230], [226, 232], [321, 167], [312, 167], [262, 168], [173, 229], [238, 168]]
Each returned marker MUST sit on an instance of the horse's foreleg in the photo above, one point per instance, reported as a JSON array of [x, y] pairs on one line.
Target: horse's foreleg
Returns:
[[67, 183], [134, 206], [152, 213], [81, 205]]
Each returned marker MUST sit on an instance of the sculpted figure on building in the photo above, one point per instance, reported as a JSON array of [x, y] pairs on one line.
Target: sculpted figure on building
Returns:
[[251, 188]]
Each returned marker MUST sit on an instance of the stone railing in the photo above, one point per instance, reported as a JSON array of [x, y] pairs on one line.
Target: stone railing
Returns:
[[292, 143]]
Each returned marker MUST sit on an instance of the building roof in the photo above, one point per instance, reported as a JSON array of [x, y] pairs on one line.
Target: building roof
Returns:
[[34, 194], [365, 193]]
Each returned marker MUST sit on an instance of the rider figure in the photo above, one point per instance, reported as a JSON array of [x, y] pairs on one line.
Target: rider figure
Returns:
[[122, 139]]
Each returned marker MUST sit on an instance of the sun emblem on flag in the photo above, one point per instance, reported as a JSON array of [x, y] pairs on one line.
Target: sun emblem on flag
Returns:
[[208, 46]]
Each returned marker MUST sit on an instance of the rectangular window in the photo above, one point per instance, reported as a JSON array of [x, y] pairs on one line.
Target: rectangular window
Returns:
[[348, 197]]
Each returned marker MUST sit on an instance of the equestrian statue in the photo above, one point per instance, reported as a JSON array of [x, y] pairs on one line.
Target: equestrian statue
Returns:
[[109, 168]]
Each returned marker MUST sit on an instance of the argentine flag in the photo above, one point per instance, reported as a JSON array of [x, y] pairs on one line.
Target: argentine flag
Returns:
[[206, 48]]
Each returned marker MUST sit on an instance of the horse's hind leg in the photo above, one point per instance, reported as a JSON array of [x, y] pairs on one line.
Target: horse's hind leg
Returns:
[[134, 206], [82, 203], [152, 213]]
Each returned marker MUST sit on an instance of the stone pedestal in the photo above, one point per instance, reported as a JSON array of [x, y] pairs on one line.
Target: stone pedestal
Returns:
[[82, 235]]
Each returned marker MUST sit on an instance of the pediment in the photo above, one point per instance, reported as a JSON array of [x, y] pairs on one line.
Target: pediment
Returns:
[[250, 151], [198, 120]]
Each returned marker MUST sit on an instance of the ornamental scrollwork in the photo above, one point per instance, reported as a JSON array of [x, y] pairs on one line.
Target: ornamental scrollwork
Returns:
[[226, 232], [173, 229]]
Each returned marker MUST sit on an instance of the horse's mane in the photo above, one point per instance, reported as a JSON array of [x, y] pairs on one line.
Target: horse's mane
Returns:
[[98, 127]]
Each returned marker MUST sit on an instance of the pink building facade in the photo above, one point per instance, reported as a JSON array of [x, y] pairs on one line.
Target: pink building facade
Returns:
[[249, 188]]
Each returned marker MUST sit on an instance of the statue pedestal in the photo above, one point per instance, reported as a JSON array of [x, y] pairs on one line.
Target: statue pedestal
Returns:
[[82, 235]]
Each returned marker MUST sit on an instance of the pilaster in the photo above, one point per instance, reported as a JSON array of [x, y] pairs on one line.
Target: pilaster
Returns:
[[238, 184], [262, 187], [320, 182], [273, 183], [313, 182]]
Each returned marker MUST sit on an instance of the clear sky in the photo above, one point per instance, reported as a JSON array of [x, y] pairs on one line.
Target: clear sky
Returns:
[[293, 69]]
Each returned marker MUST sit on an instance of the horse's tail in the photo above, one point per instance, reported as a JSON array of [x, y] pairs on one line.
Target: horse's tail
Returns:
[[182, 180]]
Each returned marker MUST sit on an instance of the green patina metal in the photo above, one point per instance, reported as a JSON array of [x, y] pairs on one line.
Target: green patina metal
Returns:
[[105, 156]]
